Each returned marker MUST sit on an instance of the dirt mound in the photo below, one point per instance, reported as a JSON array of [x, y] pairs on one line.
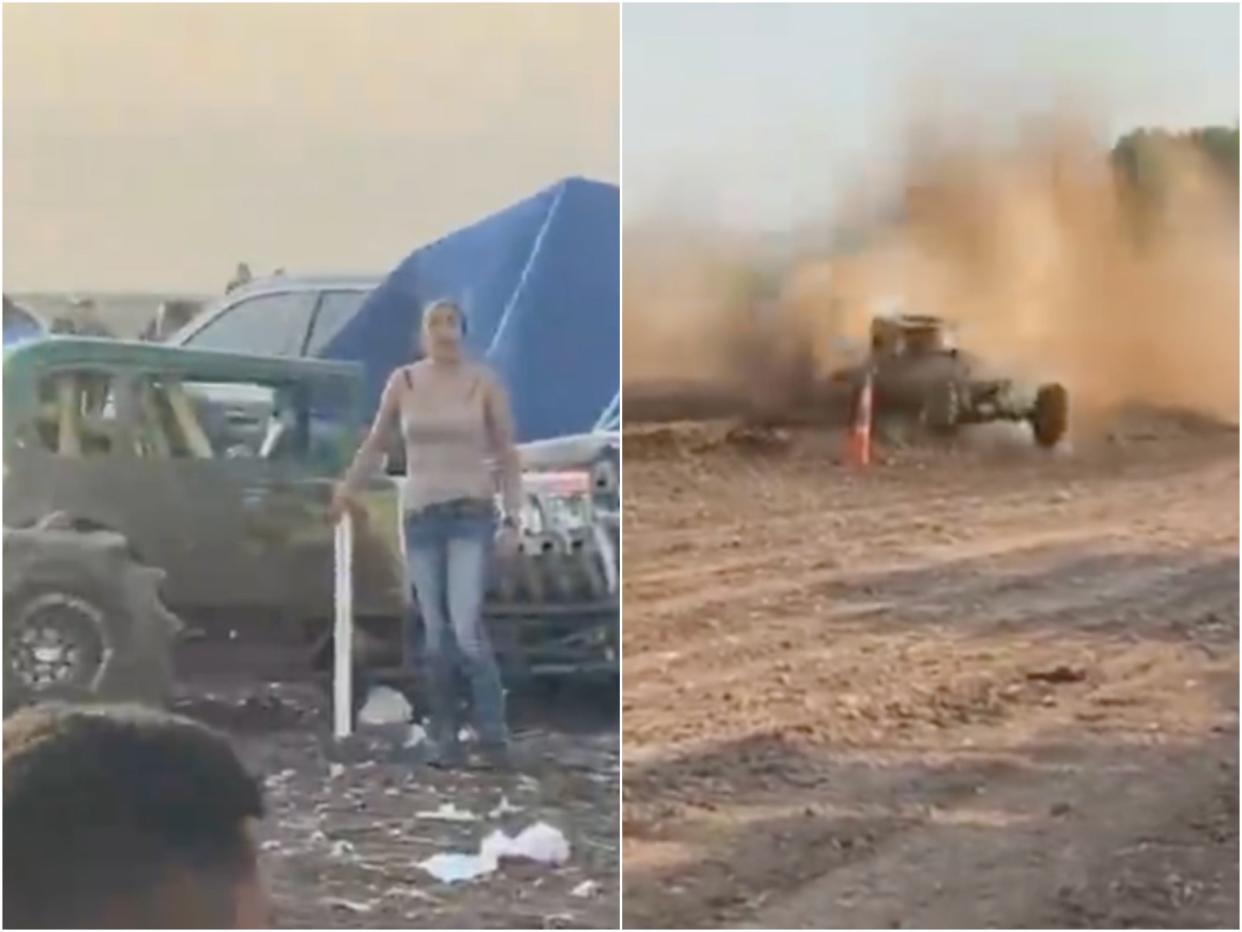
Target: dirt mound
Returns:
[[671, 420], [701, 440], [1138, 423], [666, 400], [654, 443]]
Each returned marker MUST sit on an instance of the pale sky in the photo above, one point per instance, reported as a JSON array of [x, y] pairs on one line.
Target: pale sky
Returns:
[[755, 117], [153, 147]]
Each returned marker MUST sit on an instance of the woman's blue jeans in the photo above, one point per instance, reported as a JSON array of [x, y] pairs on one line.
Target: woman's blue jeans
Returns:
[[449, 548]]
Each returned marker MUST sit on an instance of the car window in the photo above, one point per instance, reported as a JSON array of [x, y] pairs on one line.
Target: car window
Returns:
[[203, 420], [336, 309], [78, 415], [267, 325], [244, 419]]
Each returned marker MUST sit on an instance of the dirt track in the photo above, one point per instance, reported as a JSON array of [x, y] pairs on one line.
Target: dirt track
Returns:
[[968, 688]]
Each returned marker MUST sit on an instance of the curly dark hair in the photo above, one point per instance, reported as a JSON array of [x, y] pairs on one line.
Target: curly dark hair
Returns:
[[122, 816]]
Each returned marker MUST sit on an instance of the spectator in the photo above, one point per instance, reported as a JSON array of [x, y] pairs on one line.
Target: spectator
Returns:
[[243, 276], [453, 414], [125, 817]]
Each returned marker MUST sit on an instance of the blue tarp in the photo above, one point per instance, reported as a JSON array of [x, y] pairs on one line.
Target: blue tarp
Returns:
[[540, 284]]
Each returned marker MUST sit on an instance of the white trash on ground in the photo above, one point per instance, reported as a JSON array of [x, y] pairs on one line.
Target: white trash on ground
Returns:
[[448, 813], [586, 888], [351, 906], [539, 842], [416, 736], [504, 808], [385, 706], [343, 849], [455, 868], [278, 780]]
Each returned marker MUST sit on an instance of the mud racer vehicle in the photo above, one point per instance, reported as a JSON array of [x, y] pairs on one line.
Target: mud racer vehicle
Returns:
[[143, 480], [919, 375]]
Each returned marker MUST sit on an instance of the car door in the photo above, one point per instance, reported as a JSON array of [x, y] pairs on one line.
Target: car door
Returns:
[[197, 471], [288, 488]]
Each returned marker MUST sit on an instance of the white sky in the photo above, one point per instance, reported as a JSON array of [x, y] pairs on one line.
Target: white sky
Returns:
[[154, 147], [754, 117]]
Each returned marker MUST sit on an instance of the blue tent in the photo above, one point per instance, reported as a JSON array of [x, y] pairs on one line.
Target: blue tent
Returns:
[[540, 283]]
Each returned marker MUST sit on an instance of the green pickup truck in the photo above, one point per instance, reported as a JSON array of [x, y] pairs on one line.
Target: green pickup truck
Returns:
[[165, 512]]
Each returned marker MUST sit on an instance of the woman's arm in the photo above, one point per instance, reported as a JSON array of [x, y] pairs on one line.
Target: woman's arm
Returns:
[[369, 454], [504, 449]]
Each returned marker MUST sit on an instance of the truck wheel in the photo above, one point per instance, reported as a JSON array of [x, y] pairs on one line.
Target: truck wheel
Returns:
[[83, 621], [942, 408], [1050, 418]]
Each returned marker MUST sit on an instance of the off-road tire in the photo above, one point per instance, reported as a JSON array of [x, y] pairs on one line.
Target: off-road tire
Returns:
[[1050, 417], [83, 621], [942, 408]]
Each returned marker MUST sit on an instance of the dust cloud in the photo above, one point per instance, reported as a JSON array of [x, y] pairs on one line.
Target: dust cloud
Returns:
[[1050, 264]]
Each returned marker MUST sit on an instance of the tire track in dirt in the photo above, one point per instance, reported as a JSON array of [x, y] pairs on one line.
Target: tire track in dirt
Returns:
[[826, 571], [741, 697], [792, 542], [688, 503], [966, 574], [921, 882], [1056, 625]]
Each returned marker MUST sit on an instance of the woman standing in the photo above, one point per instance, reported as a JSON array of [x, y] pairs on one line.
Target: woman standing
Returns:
[[458, 432]]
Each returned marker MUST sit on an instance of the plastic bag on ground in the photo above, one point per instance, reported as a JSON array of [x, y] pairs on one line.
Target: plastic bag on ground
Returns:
[[455, 868], [540, 842], [385, 706], [448, 813]]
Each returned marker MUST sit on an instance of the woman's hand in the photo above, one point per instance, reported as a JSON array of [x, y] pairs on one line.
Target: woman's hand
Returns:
[[343, 502]]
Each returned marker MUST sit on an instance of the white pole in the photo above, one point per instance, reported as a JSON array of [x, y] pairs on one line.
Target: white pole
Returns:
[[342, 681]]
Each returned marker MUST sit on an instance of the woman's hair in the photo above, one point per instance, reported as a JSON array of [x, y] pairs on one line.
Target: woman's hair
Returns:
[[437, 304]]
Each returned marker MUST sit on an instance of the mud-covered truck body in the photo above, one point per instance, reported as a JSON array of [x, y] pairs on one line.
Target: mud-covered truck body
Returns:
[[216, 469], [919, 375]]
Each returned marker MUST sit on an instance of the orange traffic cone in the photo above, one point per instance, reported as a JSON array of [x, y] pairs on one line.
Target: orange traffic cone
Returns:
[[860, 439]]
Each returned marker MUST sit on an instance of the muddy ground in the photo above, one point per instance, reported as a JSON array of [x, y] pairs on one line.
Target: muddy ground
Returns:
[[344, 832], [970, 687]]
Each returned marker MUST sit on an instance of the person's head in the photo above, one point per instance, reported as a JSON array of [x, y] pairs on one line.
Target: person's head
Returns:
[[443, 330], [120, 817]]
